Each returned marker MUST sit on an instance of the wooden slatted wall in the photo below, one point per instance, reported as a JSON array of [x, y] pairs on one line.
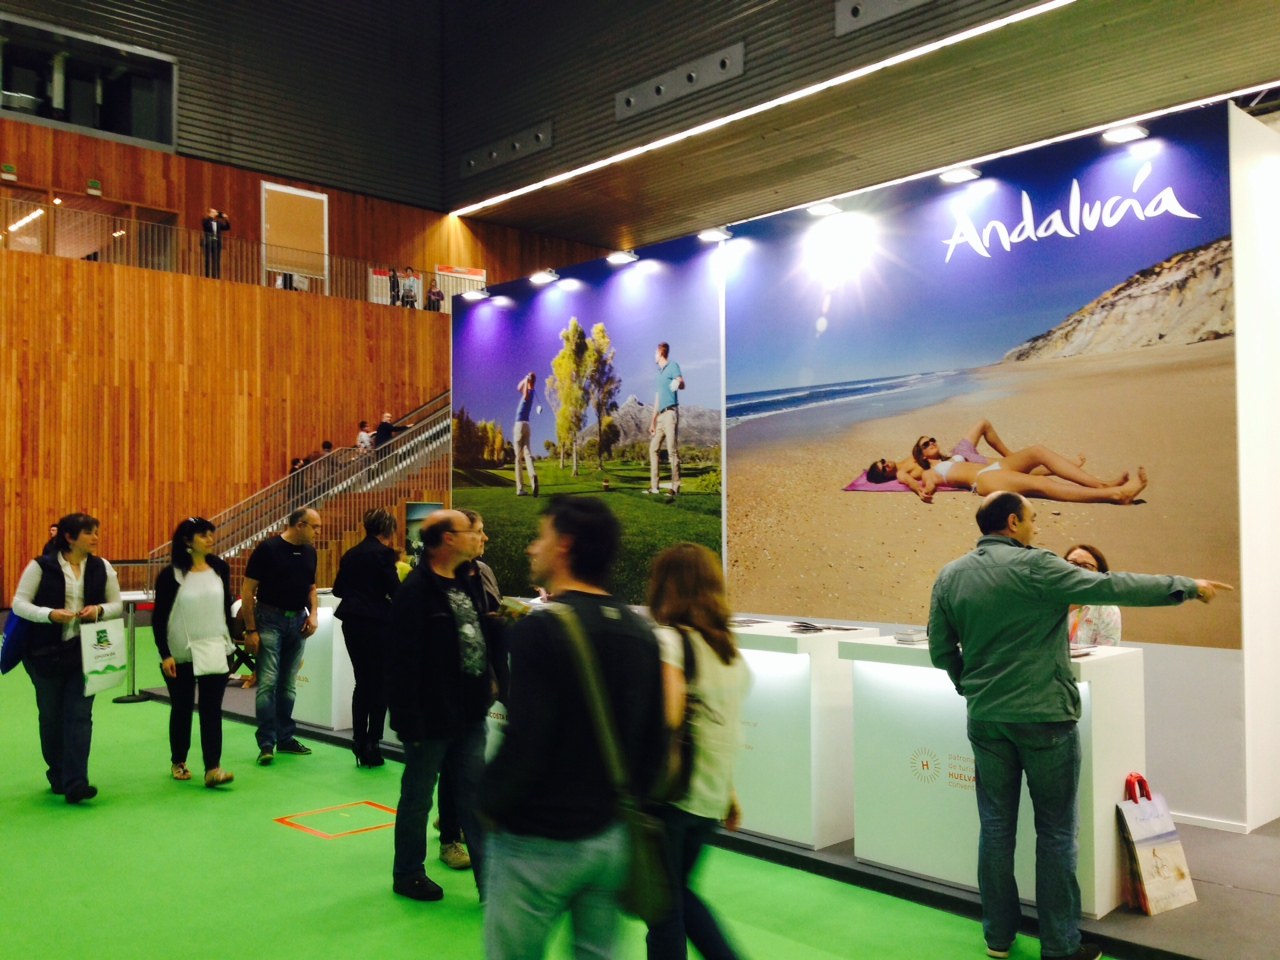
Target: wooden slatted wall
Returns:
[[145, 397], [363, 227]]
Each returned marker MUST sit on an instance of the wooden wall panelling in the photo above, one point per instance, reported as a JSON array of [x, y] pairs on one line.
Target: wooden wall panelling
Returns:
[[144, 397], [362, 227]]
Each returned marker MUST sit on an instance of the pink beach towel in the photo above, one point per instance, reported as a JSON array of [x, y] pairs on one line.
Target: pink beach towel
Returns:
[[861, 484]]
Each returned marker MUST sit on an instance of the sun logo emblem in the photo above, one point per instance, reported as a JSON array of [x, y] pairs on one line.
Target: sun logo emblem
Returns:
[[924, 765]]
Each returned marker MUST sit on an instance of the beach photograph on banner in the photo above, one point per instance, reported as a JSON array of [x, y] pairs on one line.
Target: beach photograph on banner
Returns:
[[1061, 325], [559, 388]]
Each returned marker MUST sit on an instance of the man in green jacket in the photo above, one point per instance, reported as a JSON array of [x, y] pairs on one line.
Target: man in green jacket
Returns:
[[998, 626]]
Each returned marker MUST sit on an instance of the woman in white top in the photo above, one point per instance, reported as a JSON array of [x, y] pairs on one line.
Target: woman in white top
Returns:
[[687, 597], [192, 627], [1091, 625], [57, 593]]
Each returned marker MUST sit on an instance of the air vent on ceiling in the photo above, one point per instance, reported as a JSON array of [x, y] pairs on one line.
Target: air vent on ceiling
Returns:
[[679, 82], [854, 15], [531, 140]]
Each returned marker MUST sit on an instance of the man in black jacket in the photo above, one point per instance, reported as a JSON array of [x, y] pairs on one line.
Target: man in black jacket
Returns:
[[445, 667], [559, 845]]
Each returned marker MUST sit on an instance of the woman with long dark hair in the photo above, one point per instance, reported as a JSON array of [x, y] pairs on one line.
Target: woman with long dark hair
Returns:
[[192, 627], [57, 593], [366, 581], [687, 599]]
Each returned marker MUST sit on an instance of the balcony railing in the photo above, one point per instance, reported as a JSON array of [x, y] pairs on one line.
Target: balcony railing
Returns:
[[76, 233]]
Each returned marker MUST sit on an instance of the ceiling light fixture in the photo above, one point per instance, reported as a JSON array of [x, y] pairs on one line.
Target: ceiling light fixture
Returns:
[[959, 175], [715, 235], [544, 277], [619, 257], [1126, 134], [57, 201], [904, 57], [824, 209], [33, 215], [480, 294]]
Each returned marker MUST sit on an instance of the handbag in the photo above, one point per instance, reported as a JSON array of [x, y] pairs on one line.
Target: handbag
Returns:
[[209, 656], [14, 647], [1158, 870], [647, 891], [680, 762], [103, 655]]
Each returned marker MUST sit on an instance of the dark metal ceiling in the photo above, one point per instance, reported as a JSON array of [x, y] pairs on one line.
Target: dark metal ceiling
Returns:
[[1090, 63]]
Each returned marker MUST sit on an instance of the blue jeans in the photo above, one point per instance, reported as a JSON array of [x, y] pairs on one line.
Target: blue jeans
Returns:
[[463, 758], [279, 657], [690, 919], [66, 727], [533, 880], [1049, 754]]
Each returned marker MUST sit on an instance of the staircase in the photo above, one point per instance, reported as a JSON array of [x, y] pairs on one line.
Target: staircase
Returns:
[[414, 465]]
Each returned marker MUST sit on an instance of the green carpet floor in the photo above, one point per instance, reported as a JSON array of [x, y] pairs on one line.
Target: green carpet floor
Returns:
[[154, 868]]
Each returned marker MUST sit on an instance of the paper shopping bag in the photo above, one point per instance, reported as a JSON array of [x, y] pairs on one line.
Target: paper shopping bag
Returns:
[[102, 652], [1158, 864]]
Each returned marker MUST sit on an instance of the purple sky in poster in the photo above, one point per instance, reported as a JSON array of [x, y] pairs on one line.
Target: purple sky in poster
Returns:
[[910, 311], [670, 295]]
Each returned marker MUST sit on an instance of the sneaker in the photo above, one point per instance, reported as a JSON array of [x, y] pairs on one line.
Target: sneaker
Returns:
[[997, 952], [179, 771], [265, 756], [217, 777], [535, 486], [653, 493], [418, 888], [1087, 951], [295, 747], [455, 856]]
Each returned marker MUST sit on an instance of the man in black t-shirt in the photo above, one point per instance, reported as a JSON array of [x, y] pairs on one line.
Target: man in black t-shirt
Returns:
[[558, 841], [445, 667], [279, 605]]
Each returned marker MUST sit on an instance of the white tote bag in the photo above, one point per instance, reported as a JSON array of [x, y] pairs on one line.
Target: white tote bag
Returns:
[[103, 654], [209, 656]]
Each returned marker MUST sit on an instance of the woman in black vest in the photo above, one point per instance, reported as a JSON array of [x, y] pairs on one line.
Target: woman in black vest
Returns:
[[57, 593]]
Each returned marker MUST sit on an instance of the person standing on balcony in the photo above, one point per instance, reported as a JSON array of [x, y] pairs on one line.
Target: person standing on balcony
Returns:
[[280, 609], [212, 228], [435, 296]]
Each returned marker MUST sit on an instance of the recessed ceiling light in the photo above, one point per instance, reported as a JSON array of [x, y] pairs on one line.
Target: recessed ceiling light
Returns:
[[481, 294], [959, 175], [1125, 134], [824, 209], [622, 256], [544, 276], [715, 234]]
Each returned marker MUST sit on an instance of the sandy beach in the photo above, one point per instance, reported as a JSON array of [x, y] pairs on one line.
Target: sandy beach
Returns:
[[800, 546]]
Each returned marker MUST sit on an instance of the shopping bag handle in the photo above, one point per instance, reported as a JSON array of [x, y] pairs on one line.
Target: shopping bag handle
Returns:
[[1135, 786]]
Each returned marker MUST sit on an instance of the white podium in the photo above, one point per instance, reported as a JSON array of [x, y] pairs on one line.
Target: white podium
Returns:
[[913, 768], [325, 679], [794, 777]]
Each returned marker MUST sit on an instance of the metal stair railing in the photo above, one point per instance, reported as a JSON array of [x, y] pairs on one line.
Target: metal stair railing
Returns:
[[343, 485]]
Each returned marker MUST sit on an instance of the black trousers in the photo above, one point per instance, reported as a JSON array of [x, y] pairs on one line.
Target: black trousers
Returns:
[[366, 641], [182, 695]]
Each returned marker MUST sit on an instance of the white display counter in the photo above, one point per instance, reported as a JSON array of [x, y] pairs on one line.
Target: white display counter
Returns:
[[325, 679], [794, 776], [913, 768]]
